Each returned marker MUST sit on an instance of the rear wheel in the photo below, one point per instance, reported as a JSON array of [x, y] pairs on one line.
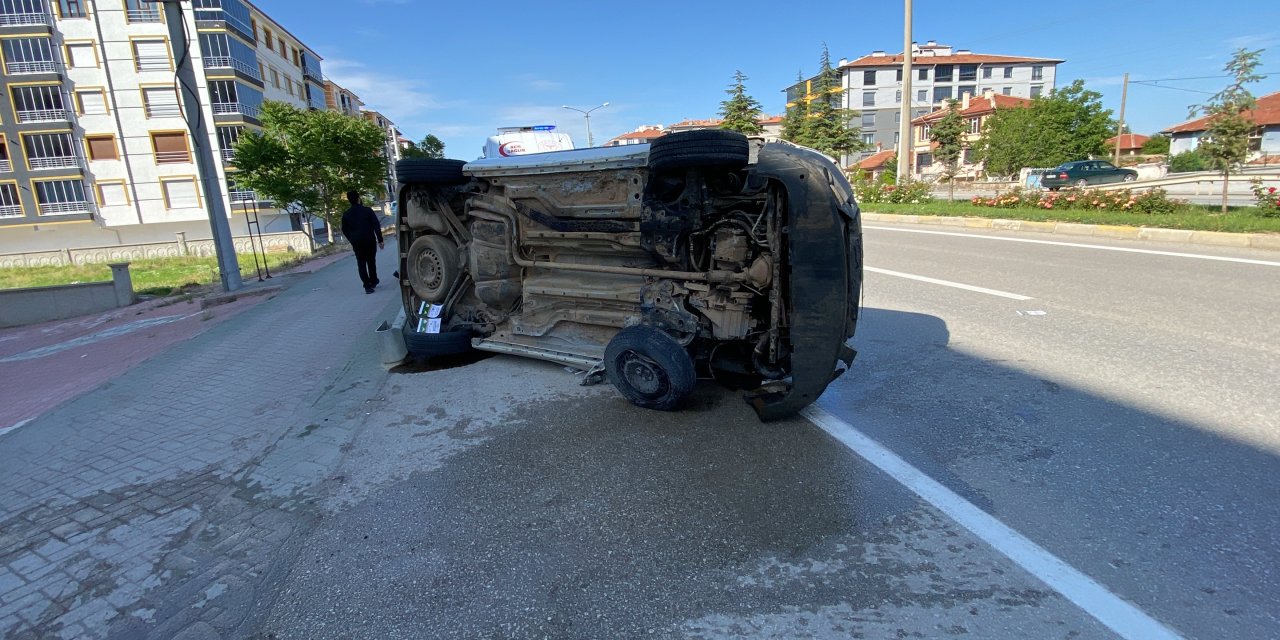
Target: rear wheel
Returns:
[[433, 267], [1129, 177], [705, 148], [649, 368], [430, 171], [1082, 183], [430, 345]]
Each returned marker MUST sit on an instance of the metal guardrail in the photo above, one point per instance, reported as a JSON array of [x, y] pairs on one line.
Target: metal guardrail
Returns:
[[55, 162], [143, 15], [39, 66], [1197, 177], [10, 19], [227, 62], [43, 115], [235, 107], [65, 207], [11, 211]]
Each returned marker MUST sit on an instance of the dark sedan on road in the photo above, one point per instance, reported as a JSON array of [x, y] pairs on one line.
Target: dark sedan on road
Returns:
[[1085, 173]]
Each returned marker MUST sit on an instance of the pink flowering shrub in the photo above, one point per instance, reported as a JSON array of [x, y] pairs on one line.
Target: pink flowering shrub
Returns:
[[1268, 199], [1154, 201]]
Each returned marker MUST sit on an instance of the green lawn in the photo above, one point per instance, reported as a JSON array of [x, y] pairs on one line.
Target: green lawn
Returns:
[[1194, 217], [160, 276]]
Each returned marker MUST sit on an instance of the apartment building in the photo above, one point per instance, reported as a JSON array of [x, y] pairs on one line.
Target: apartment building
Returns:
[[391, 148], [94, 148], [872, 84], [339, 99], [974, 112]]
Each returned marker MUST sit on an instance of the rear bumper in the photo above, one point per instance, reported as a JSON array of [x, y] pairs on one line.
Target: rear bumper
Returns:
[[824, 234]]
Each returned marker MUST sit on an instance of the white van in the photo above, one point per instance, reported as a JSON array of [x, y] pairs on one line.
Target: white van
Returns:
[[518, 141]]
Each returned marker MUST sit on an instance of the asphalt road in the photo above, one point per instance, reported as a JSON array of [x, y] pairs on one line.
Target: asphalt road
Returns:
[[1121, 416]]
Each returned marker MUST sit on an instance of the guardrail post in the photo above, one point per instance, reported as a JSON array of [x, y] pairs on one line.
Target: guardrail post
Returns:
[[122, 282], [182, 244]]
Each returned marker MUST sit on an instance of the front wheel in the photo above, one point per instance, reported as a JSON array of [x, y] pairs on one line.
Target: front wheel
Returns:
[[1129, 177], [1082, 183], [649, 368], [700, 149]]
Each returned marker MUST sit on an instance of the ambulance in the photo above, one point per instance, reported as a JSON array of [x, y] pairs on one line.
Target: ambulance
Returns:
[[518, 141]]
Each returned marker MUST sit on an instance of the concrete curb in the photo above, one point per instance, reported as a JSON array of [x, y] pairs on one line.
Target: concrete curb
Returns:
[[227, 298], [1267, 241]]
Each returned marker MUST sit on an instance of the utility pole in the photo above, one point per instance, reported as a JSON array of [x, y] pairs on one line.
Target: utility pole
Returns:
[[1124, 96], [904, 126], [219, 225], [587, 115]]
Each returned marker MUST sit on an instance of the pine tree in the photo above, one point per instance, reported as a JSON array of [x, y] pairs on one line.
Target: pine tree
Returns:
[[1226, 140], [828, 126], [948, 134], [797, 115], [740, 112]]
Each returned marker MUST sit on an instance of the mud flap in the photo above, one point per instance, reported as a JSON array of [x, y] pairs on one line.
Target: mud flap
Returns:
[[823, 226]]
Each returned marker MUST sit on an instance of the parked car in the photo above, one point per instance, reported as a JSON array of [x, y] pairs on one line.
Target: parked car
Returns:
[[703, 255], [1084, 173]]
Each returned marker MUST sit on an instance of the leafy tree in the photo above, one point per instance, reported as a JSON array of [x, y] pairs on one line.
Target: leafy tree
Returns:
[[828, 127], [1156, 145], [308, 160], [1226, 140], [948, 134], [1068, 124], [1191, 160], [797, 115], [430, 147], [740, 112]]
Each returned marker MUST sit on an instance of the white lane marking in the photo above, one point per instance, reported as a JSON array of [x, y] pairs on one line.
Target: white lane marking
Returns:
[[15, 426], [1265, 263], [112, 332], [948, 283], [1121, 617]]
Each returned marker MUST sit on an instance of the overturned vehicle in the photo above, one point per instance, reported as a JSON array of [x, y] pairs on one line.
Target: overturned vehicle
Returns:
[[706, 254]]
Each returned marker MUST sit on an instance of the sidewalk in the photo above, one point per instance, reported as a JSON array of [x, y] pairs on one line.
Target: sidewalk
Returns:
[[186, 469]]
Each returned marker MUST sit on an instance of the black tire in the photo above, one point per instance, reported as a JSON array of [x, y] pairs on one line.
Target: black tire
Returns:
[[430, 345], [1053, 188], [704, 148], [1129, 177], [649, 368], [430, 171], [432, 266]]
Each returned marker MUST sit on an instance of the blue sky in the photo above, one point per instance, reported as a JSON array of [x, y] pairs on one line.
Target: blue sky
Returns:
[[461, 69]]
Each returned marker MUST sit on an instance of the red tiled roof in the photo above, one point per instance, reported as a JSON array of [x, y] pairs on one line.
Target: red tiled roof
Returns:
[[961, 58], [876, 160], [642, 135], [1265, 114], [1265, 160], [770, 120], [1129, 141], [713, 122], [979, 106]]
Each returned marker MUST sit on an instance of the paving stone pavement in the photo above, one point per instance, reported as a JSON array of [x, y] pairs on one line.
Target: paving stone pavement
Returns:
[[190, 471]]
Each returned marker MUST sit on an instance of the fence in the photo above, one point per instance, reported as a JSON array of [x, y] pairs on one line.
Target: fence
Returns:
[[20, 307], [284, 242]]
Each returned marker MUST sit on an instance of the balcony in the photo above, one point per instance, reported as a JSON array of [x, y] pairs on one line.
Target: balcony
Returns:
[[229, 155], [143, 15], [11, 211], [41, 66], [44, 115], [22, 19], [242, 195], [55, 162], [227, 62], [311, 70], [60, 208], [227, 108], [225, 14]]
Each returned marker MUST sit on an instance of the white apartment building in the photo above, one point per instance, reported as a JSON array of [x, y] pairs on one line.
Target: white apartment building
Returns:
[[391, 149], [100, 152]]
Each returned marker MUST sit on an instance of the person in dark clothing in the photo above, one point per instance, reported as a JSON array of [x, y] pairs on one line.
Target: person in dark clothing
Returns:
[[362, 229]]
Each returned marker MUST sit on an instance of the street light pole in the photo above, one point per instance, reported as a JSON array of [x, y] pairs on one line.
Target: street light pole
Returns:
[[586, 114], [904, 124]]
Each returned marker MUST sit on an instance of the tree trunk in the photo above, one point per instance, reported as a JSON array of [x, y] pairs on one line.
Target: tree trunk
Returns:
[[1225, 174], [951, 188]]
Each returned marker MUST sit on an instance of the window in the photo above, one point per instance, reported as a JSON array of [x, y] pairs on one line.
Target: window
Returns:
[[897, 136], [897, 96], [180, 193], [966, 88], [1036, 89], [41, 103], [924, 159], [82, 54], [266, 38], [922, 96], [941, 94], [897, 118], [967, 156], [275, 78], [297, 58], [1037, 73], [102, 147], [112, 194], [228, 136], [10, 205], [869, 78], [1008, 72], [50, 151], [868, 120], [141, 11], [282, 49], [1008, 91], [170, 147], [975, 125], [898, 75], [91, 101], [71, 9], [5, 165], [868, 98], [868, 138], [56, 197], [28, 55], [923, 73], [968, 72], [151, 55], [924, 132], [253, 22], [986, 72], [160, 102], [942, 73]]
